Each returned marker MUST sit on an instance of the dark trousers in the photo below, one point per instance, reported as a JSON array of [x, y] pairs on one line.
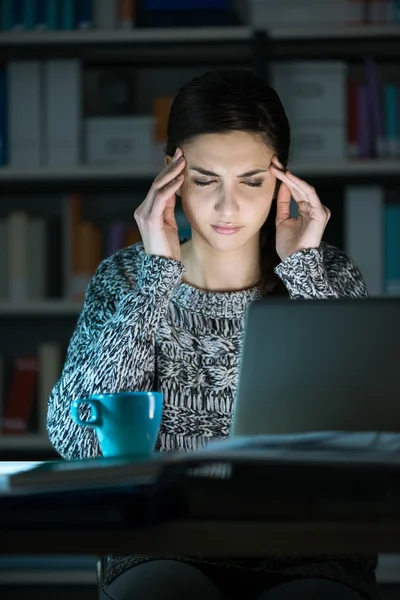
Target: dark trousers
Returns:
[[170, 579]]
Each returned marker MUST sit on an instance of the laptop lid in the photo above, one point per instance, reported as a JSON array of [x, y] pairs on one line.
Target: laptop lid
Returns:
[[310, 365]]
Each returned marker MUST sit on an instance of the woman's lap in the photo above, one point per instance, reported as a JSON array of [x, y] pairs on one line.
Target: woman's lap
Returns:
[[165, 579], [161, 580]]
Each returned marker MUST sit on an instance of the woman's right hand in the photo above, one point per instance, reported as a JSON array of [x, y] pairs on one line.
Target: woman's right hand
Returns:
[[156, 215]]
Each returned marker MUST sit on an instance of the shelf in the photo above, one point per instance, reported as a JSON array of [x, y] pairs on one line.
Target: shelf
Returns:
[[89, 174], [363, 168], [156, 46], [339, 32], [205, 45], [34, 441], [194, 34], [46, 308], [132, 36], [334, 42]]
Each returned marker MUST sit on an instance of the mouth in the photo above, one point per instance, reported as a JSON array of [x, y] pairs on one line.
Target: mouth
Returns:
[[225, 229]]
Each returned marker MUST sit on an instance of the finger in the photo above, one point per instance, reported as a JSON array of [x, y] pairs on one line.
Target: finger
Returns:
[[169, 172], [169, 211], [283, 204], [279, 174], [304, 189], [163, 195], [278, 163], [163, 179]]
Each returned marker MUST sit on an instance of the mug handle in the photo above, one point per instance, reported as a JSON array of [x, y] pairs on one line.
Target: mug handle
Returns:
[[95, 418]]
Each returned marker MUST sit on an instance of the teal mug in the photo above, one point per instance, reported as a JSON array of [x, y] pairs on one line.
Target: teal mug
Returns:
[[126, 423]]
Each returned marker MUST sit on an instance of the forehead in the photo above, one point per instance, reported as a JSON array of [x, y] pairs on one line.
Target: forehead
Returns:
[[228, 149]]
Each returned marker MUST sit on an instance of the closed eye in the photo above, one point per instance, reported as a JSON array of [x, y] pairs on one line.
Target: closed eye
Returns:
[[202, 183], [253, 183], [249, 183]]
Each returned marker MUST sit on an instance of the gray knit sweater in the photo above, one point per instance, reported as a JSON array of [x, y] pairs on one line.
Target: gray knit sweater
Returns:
[[142, 328]]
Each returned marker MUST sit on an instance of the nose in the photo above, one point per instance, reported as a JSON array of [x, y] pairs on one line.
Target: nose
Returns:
[[226, 204]]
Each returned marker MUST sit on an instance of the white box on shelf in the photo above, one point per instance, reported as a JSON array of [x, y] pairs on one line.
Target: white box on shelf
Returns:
[[364, 230], [24, 87], [314, 90], [63, 116], [316, 142], [105, 14], [119, 140], [270, 13]]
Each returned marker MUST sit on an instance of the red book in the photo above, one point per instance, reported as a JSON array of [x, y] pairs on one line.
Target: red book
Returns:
[[20, 400]]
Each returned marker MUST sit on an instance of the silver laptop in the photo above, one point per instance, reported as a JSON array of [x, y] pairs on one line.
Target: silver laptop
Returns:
[[310, 365]]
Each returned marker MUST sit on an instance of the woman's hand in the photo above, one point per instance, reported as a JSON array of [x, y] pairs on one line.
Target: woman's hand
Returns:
[[156, 215], [305, 231]]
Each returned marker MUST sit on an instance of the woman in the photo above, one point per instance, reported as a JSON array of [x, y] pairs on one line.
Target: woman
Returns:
[[155, 313]]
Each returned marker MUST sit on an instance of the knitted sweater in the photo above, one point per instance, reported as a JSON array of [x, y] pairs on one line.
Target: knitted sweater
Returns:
[[142, 328]]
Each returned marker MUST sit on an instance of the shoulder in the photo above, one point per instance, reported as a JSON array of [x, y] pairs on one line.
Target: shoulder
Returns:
[[342, 269], [119, 271]]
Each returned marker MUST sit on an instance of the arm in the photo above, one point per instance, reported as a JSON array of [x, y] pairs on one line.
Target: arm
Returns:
[[113, 346], [321, 273]]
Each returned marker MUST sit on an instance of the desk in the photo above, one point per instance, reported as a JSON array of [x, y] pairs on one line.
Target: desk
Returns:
[[211, 538], [378, 531]]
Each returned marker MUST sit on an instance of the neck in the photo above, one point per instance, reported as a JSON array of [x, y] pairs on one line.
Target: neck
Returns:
[[221, 271]]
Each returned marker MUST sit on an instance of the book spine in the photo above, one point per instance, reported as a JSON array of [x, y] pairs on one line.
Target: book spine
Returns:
[[24, 102], [40, 15], [126, 12], [3, 118], [67, 14], [20, 399], [7, 16], [391, 118], [50, 366], [105, 14], [52, 13], [352, 125], [392, 248], [375, 107], [83, 14], [18, 17], [17, 234], [29, 11]]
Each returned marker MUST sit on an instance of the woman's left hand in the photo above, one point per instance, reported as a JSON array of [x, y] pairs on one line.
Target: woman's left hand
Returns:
[[305, 231]]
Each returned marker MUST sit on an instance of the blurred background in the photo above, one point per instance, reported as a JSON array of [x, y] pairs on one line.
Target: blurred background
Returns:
[[85, 90]]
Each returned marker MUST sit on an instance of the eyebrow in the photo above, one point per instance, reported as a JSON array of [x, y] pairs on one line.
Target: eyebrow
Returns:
[[212, 174]]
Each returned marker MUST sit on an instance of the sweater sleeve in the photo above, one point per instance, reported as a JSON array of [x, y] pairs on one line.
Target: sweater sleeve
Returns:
[[321, 273], [113, 346]]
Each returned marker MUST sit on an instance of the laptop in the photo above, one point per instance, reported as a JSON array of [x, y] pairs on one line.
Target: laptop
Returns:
[[329, 365]]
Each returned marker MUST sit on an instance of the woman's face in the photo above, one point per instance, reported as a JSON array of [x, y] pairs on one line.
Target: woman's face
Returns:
[[228, 188]]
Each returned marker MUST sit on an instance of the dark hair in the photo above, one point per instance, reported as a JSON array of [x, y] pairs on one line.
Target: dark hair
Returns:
[[235, 100]]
